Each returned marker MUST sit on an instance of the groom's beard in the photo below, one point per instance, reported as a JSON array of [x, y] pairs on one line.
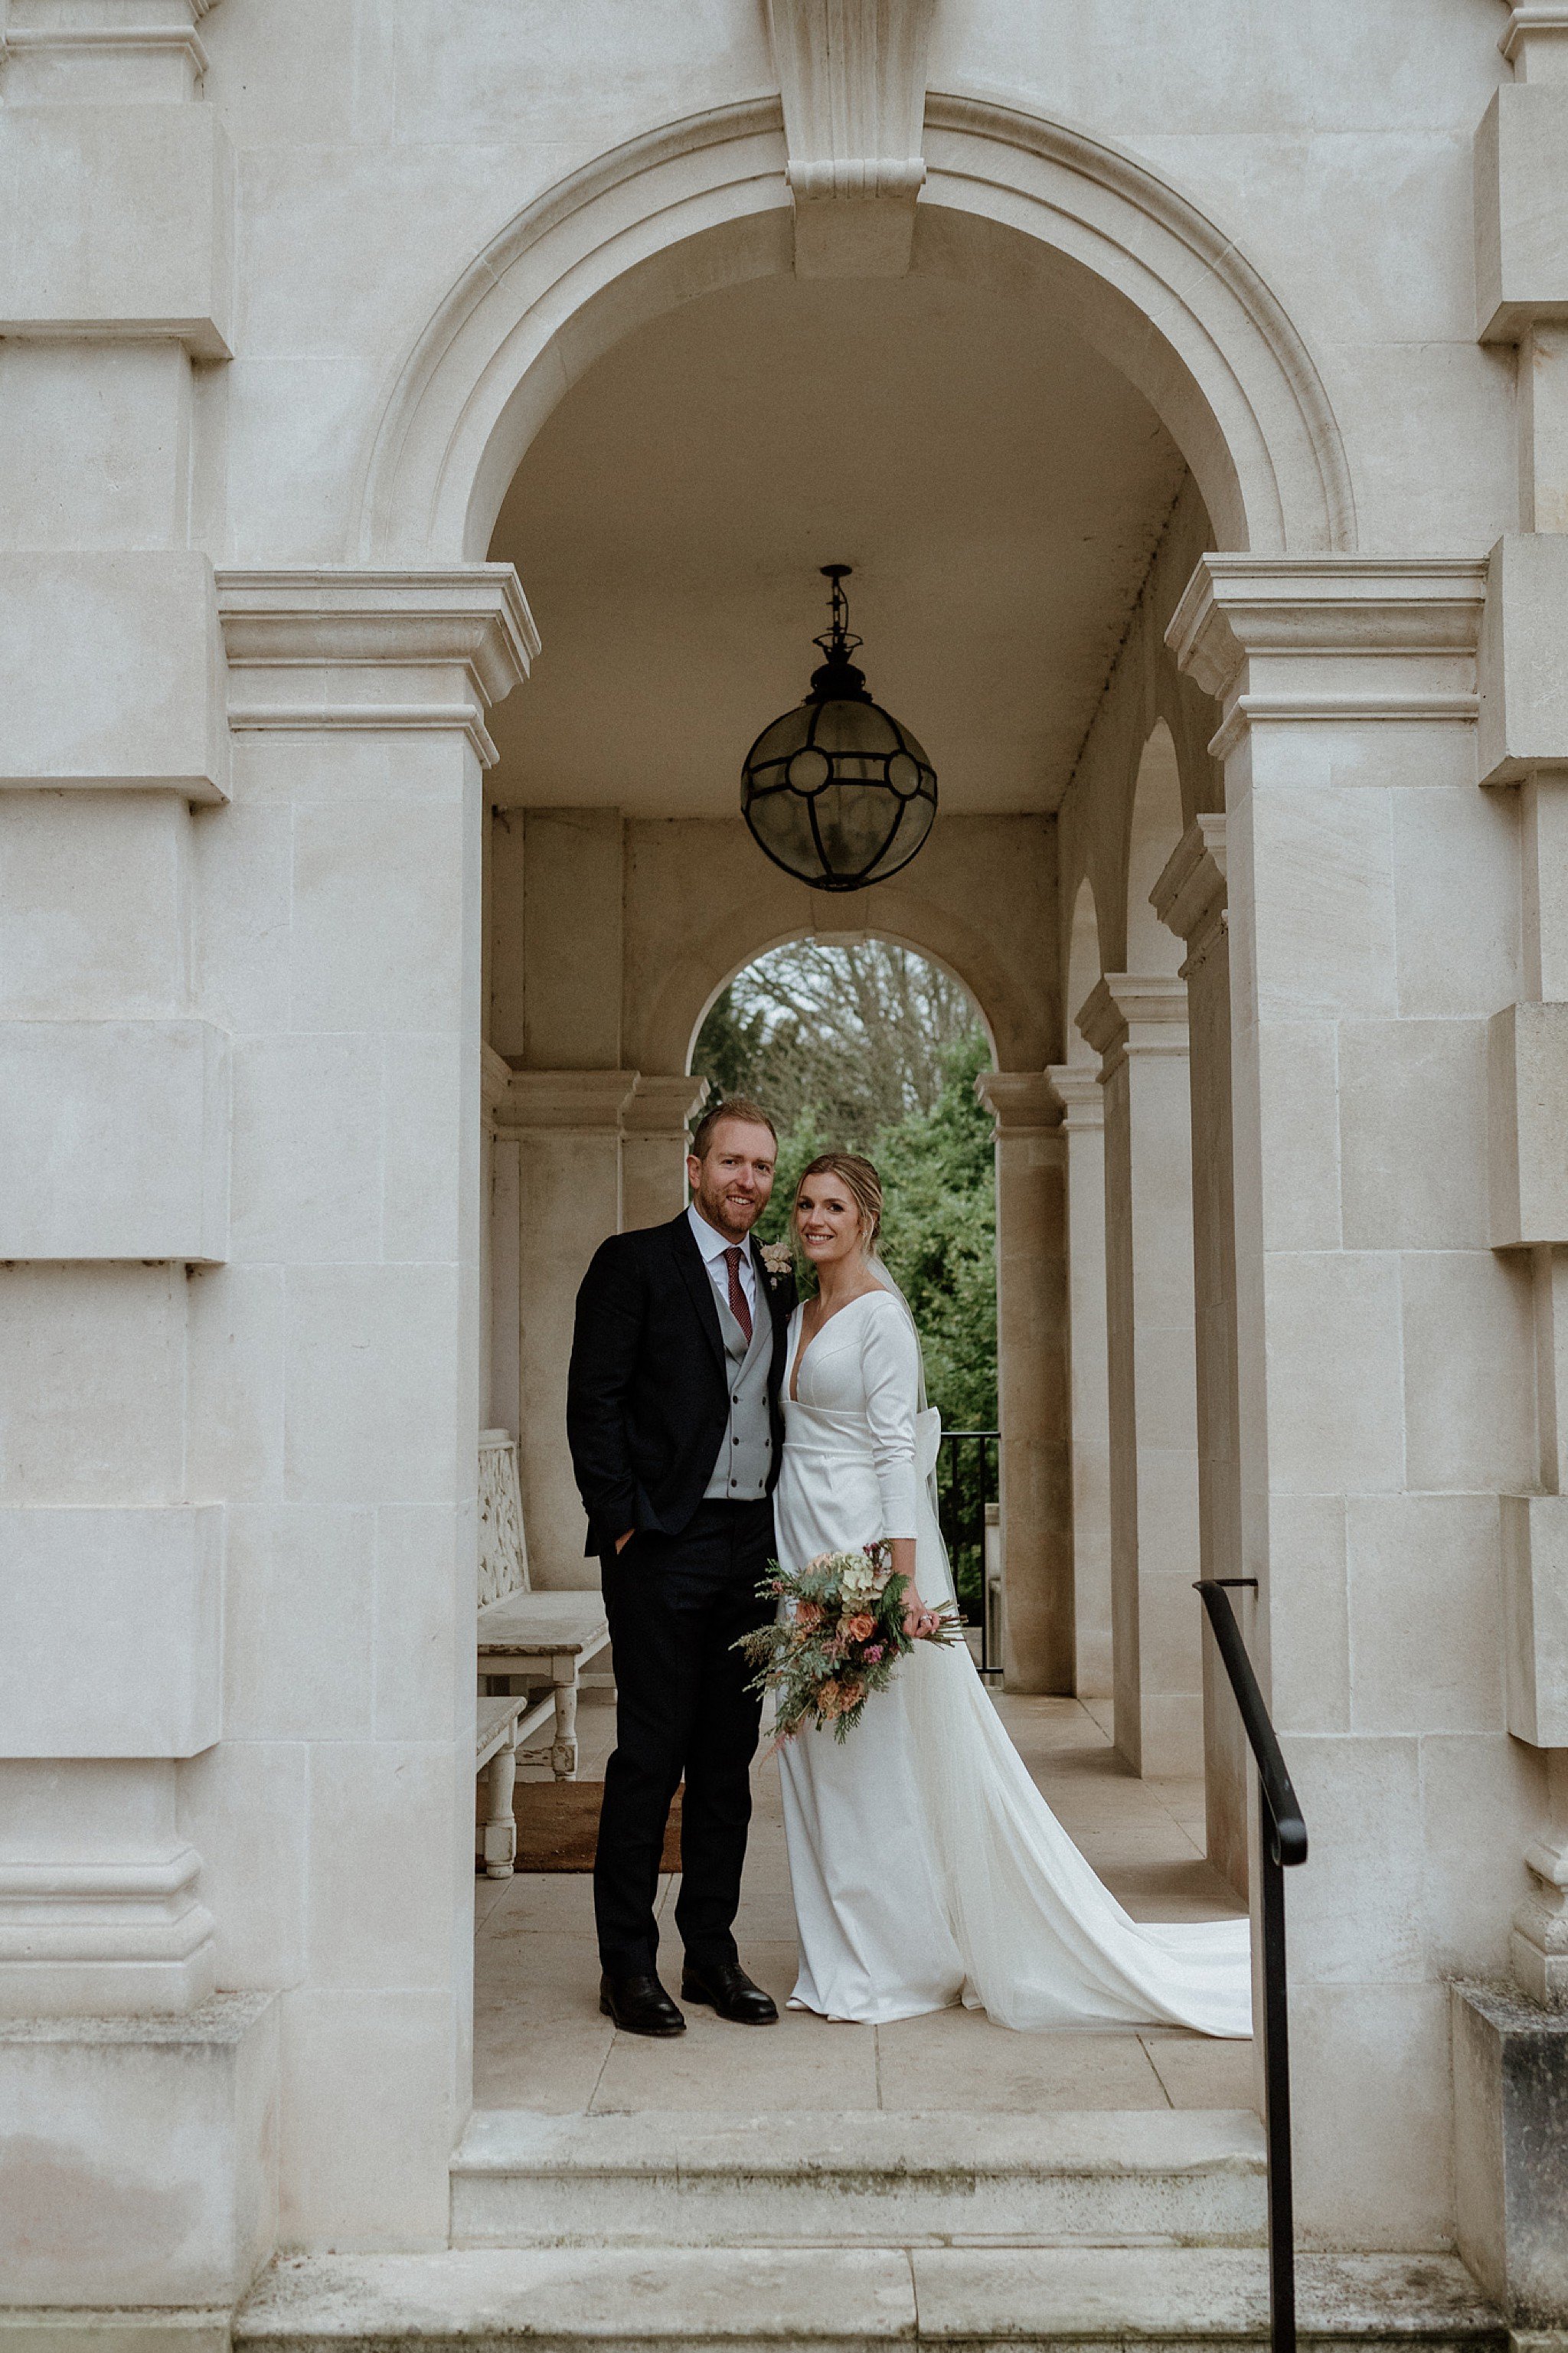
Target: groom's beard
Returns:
[[732, 1213]]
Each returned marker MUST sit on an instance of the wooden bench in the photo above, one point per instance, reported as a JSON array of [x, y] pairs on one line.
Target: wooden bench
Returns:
[[538, 1638]]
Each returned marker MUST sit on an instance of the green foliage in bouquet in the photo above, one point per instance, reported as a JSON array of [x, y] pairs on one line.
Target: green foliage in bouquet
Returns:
[[840, 1638]]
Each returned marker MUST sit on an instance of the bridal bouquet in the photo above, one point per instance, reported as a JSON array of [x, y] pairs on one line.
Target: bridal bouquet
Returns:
[[841, 1637]]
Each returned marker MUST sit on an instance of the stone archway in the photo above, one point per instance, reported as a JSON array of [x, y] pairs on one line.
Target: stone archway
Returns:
[[1022, 203], [1022, 209], [1029, 210]]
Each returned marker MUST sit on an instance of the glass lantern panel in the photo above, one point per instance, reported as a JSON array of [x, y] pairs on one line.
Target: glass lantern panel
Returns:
[[918, 817], [784, 737], [855, 728], [854, 821], [781, 823]]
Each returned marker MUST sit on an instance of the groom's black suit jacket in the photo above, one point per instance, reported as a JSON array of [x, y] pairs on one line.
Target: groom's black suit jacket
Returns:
[[648, 1392]]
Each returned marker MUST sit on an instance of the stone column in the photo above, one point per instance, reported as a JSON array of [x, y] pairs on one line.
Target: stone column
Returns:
[[335, 1360], [655, 1139], [1032, 1368], [1387, 1366], [567, 1125], [1138, 1025], [1190, 897], [1077, 1089], [132, 2088]]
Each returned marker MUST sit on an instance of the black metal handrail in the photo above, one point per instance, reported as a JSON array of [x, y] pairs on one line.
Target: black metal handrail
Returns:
[[1284, 1842], [968, 1479]]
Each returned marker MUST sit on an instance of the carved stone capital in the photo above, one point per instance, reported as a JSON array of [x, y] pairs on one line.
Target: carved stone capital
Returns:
[[330, 646], [663, 1106], [852, 78], [1076, 1088], [1333, 638], [1126, 1014], [578, 1100], [1190, 896], [1021, 1103]]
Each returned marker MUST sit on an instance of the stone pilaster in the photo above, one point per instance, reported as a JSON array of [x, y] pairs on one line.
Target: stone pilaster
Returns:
[[1190, 897], [1032, 1368], [1077, 1089], [567, 1125], [655, 1139], [338, 1353], [1138, 1025], [1385, 1358]]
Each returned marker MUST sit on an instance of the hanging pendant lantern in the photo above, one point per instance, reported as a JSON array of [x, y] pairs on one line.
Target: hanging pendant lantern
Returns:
[[839, 792]]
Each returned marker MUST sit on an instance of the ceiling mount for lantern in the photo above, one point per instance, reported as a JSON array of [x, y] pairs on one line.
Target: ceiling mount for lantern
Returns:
[[839, 792]]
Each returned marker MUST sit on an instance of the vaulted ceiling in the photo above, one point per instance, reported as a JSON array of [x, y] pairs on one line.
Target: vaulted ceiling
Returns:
[[997, 486]]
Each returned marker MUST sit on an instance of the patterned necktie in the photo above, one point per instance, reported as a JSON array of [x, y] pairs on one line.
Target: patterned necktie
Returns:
[[738, 1306]]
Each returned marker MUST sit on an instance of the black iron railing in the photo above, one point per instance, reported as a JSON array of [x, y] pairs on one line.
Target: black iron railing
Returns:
[[1284, 1841], [967, 1469]]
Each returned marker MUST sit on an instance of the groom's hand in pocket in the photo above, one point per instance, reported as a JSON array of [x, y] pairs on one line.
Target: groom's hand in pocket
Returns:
[[622, 1542]]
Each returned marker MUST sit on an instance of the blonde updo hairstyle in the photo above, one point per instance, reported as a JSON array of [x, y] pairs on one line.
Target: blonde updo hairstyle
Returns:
[[862, 1184]]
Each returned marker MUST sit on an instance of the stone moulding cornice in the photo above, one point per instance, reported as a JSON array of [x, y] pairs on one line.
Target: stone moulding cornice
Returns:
[[1190, 896], [1127, 1014], [1021, 1103], [1076, 1088], [1339, 639], [1542, 23], [125, 29], [584, 1101], [330, 646], [134, 1910]]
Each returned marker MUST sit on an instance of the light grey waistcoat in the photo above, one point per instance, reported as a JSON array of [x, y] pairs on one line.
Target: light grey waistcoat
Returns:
[[745, 1458]]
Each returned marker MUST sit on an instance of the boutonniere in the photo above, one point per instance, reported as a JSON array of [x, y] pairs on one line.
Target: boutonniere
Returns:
[[778, 1261]]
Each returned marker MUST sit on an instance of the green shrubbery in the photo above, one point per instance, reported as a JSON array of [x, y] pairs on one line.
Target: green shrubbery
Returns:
[[880, 1056]]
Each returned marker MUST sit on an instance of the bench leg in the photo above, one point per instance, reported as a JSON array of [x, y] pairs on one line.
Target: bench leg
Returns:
[[564, 1749], [500, 1820]]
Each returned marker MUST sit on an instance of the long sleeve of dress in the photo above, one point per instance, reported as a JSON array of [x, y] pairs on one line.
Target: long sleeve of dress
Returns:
[[889, 1364]]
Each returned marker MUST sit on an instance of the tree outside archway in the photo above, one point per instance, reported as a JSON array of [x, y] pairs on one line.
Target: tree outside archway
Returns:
[[872, 1048]]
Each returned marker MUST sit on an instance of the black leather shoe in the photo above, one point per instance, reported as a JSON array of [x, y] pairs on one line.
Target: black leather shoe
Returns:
[[728, 1989], [639, 2005]]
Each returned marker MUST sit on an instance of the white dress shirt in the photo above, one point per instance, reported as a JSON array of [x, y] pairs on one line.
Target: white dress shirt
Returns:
[[713, 1245]]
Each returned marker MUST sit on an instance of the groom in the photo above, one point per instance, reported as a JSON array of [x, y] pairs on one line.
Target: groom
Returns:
[[676, 1430]]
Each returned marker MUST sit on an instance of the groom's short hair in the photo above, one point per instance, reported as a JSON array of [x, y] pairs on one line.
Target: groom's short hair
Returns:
[[740, 1107]]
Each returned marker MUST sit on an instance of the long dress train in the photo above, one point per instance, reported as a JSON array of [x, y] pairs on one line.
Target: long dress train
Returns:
[[927, 1868]]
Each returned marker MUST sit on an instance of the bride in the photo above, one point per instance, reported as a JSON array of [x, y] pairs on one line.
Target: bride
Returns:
[[926, 1866]]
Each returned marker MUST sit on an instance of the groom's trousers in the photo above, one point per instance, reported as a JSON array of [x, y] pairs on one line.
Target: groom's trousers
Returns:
[[676, 1607]]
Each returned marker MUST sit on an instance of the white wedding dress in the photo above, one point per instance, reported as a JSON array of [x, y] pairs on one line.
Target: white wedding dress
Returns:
[[927, 1868]]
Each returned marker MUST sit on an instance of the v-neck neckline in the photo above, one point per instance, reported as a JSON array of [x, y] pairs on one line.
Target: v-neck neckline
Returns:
[[805, 1345]]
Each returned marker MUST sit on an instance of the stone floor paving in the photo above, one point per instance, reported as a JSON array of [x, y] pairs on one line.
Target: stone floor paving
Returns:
[[540, 2042]]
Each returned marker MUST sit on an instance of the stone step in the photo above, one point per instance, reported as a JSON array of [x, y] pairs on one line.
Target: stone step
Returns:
[[852, 2300], [860, 2178]]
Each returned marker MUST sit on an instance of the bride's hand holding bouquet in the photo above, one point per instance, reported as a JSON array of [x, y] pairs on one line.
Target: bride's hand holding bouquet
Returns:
[[848, 1619]]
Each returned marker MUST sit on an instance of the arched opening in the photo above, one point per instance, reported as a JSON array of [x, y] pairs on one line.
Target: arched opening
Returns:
[[1084, 968], [668, 516], [1154, 832]]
